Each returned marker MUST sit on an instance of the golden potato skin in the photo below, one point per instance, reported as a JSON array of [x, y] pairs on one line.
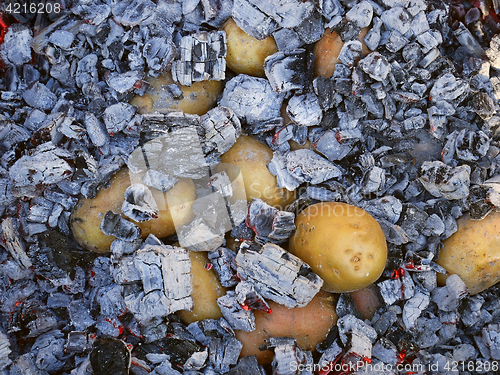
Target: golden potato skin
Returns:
[[86, 219], [473, 253], [327, 49], [343, 244], [245, 54], [206, 290], [309, 325], [252, 157], [197, 98]]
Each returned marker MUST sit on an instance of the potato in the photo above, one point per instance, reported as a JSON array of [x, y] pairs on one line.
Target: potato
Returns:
[[245, 54], [86, 219], [206, 290], [327, 49], [473, 253], [343, 244], [252, 157], [367, 301], [197, 98], [309, 325]]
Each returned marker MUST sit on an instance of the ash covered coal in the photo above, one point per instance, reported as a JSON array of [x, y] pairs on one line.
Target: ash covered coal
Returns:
[[406, 127]]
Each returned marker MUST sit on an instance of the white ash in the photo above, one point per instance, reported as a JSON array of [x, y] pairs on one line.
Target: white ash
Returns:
[[222, 128], [139, 203], [442, 180], [278, 168], [202, 58], [14, 244], [224, 265], [394, 290], [307, 166], [286, 70], [125, 82], [198, 236], [237, 317], [414, 307], [358, 347], [288, 356], [449, 297], [118, 116], [349, 323], [5, 361], [386, 351], [277, 275], [252, 20]]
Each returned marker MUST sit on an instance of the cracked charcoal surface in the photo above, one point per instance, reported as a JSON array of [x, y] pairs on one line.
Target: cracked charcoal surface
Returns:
[[408, 132]]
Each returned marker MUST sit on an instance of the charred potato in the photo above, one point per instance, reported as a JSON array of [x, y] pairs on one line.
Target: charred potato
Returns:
[[343, 244], [309, 325], [86, 219], [473, 253], [196, 99], [245, 54]]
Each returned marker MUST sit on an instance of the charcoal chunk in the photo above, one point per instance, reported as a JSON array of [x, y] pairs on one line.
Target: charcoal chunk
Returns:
[[40, 97], [110, 356], [286, 70], [307, 166], [139, 203], [443, 181], [114, 225]]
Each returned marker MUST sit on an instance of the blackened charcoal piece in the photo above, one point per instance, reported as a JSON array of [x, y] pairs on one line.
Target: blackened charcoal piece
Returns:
[[118, 116], [237, 317], [429, 40], [307, 166], [198, 236], [249, 298], [305, 110], [44, 167], [139, 204], [413, 221], [287, 39], [277, 274], [414, 307], [114, 225], [207, 329], [288, 356], [491, 336], [466, 145], [466, 39], [222, 128], [224, 353], [395, 41], [40, 97], [268, 223], [386, 351], [251, 20], [224, 265], [328, 145], [247, 365], [350, 323], [5, 361], [96, 130], [346, 306], [87, 71], [448, 297], [202, 58], [388, 208], [125, 82], [14, 244], [373, 180], [324, 89], [442, 180], [286, 70], [252, 99], [483, 105], [110, 356], [361, 14], [287, 13], [132, 12], [397, 18], [159, 53], [49, 347], [372, 39], [159, 181], [25, 364], [448, 87], [16, 44], [351, 51], [397, 289], [312, 28], [376, 66]]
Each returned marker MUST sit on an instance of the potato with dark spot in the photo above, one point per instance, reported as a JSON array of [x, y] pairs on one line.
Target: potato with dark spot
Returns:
[[309, 325], [196, 99], [342, 243], [245, 54], [86, 219], [206, 290], [252, 157], [473, 253]]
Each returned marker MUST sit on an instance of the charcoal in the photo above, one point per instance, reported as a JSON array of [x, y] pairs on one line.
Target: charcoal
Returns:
[[110, 356], [87, 70], [376, 66], [40, 210], [397, 18], [268, 223], [202, 58], [288, 13], [361, 14], [139, 204], [114, 225], [443, 181], [429, 58], [117, 117], [419, 24], [287, 40], [388, 208], [397, 289], [222, 128], [448, 87], [159, 53], [96, 130], [278, 168], [237, 317], [286, 70], [491, 335], [414, 307], [252, 20], [429, 40], [5, 361], [351, 51], [224, 353], [386, 351], [198, 236], [306, 166], [448, 297], [14, 244], [277, 275], [125, 82], [16, 44], [288, 356], [247, 365], [395, 41], [249, 299], [159, 181], [223, 263], [39, 96], [373, 37], [373, 181], [132, 12], [349, 323]]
